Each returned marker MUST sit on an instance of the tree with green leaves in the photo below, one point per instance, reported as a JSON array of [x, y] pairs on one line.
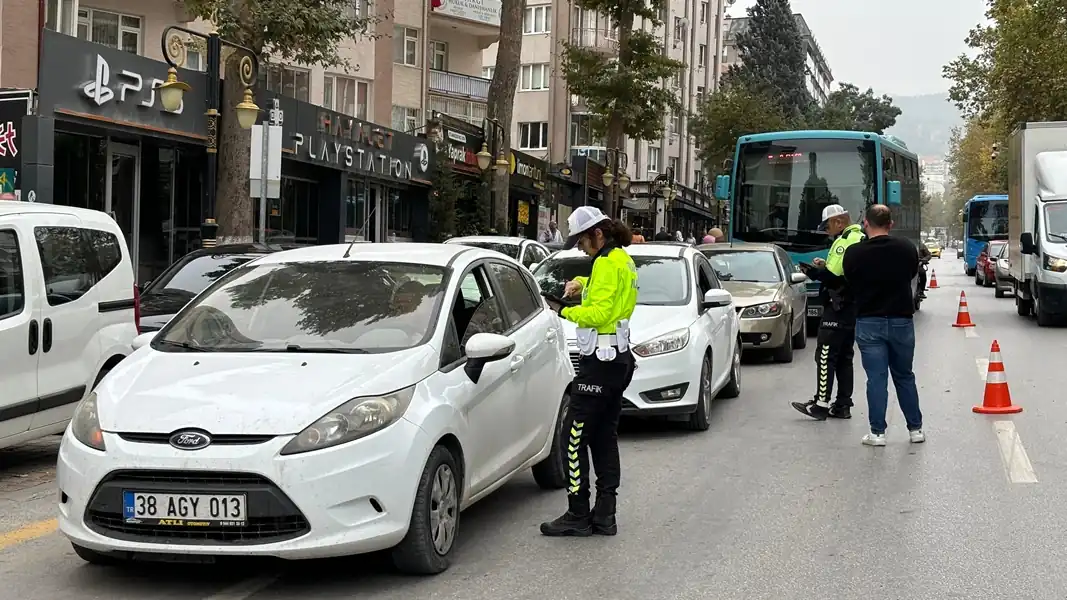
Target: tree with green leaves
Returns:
[[303, 32], [472, 206], [971, 165], [848, 109], [627, 90], [729, 113], [444, 198], [773, 57]]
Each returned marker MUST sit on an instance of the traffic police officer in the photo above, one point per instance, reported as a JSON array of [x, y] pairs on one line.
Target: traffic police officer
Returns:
[[605, 368], [837, 329]]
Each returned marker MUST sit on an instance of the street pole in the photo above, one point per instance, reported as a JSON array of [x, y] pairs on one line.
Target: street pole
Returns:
[[264, 161], [210, 228]]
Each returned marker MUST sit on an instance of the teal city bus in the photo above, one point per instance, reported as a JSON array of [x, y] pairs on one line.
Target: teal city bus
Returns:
[[779, 183]]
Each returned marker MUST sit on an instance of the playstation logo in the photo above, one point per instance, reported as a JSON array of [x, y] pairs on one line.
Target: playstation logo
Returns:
[[98, 90]]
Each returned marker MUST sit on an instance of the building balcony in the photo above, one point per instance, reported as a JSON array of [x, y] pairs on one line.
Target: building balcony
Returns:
[[594, 39], [473, 112], [458, 85]]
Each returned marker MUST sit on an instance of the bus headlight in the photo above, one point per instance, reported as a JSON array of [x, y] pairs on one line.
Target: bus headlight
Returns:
[[1053, 263]]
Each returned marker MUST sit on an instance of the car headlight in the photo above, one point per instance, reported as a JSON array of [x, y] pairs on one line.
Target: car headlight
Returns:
[[668, 342], [357, 418], [1054, 263], [767, 309], [85, 424]]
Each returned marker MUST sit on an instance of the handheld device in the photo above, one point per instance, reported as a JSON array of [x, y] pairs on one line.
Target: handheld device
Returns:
[[806, 266]]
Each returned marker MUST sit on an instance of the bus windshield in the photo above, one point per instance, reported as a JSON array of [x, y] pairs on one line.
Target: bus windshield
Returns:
[[988, 220], [782, 187]]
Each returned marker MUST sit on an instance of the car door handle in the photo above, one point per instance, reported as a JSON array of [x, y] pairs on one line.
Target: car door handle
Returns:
[[551, 335], [516, 363], [46, 336], [34, 333]]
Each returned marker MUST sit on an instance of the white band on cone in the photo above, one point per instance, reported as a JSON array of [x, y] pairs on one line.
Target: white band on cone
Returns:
[[996, 377]]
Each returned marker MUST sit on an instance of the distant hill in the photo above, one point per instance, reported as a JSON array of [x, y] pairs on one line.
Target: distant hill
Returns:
[[925, 123]]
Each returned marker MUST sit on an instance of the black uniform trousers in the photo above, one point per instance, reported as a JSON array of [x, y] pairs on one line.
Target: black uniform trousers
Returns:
[[833, 359], [592, 424]]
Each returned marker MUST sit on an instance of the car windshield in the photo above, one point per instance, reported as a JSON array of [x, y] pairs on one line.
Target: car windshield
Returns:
[[660, 281], [196, 275], [754, 266], [336, 306], [511, 250]]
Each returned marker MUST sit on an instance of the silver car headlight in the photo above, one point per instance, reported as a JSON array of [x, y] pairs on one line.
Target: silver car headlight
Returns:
[[85, 424], [668, 342], [357, 418], [767, 309]]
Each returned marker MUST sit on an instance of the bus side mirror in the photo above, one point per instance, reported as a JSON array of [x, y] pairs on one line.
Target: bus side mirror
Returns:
[[892, 196], [722, 187], [1026, 243]]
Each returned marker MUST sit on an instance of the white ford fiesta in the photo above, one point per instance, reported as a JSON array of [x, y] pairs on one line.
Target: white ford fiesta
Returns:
[[321, 402]]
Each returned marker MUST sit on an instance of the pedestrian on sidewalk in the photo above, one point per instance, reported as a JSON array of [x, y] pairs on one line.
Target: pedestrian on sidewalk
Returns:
[[835, 352], [881, 271]]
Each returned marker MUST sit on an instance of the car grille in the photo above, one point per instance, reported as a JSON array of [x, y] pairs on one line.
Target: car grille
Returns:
[[272, 516], [216, 440]]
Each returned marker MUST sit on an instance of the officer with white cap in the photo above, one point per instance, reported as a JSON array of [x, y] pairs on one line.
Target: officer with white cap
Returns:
[[837, 328]]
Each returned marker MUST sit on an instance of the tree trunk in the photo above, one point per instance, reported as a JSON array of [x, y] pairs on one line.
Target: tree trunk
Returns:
[[501, 103], [233, 203], [616, 137]]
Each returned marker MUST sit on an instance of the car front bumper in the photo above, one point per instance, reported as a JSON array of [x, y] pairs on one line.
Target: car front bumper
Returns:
[[765, 332], [348, 499], [662, 385]]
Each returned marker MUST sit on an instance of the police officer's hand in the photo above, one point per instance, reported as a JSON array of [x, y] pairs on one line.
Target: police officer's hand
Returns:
[[573, 288], [818, 262]]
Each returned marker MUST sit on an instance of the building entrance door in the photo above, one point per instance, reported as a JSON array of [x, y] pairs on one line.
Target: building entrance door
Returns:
[[123, 191]]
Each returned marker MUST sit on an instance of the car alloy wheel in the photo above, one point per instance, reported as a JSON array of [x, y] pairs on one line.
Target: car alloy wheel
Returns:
[[444, 506], [737, 365], [705, 385]]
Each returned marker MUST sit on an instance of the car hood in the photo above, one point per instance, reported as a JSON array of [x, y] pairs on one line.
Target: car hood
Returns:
[[247, 392], [648, 322], [750, 293]]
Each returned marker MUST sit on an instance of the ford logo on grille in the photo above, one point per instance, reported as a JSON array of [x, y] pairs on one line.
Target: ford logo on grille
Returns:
[[190, 440]]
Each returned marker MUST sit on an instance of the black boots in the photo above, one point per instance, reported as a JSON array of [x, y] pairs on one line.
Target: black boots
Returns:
[[604, 516], [811, 409], [576, 522], [840, 412], [579, 522]]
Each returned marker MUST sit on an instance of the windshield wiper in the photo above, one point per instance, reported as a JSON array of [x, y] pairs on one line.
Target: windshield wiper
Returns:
[[1057, 235], [183, 345], [314, 350]]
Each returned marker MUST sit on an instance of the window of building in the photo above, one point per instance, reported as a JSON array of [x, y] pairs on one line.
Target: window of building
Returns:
[[439, 56], [399, 218], [653, 160], [679, 77], [357, 9], [679, 30], [702, 56], [487, 72], [538, 19], [59, 16], [672, 164], [698, 180], [194, 60], [346, 95], [703, 12], [405, 119], [406, 46], [533, 136], [357, 220], [287, 81], [534, 77], [676, 123], [582, 131], [700, 93], [115, 30]]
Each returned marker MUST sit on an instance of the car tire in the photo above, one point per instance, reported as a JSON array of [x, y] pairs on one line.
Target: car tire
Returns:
[[93, 557], [1023, 307], [784, 353], [417, 553], [977, 278], [551, 473], [700, 419], [997, 292], [732, 389], [800, 340]]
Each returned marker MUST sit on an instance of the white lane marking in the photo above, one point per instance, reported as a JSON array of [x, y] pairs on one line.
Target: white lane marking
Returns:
[[983, 367], [1012, 454], [244, 589], [970, 332]]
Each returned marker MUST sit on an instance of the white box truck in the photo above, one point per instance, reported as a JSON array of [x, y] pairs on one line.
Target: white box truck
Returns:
[[1037, 219]]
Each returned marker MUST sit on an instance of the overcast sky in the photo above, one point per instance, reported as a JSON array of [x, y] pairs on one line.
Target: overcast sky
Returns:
[[897, 47]]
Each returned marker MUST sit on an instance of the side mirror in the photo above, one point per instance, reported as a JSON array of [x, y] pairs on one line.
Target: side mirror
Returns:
[[1026, 241], [717, 298], [797, 278], [143, 340], [892, 193], [722, 187], [484, 348]]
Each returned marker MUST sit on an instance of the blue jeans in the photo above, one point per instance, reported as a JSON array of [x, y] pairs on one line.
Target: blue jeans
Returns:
[[887, 345]]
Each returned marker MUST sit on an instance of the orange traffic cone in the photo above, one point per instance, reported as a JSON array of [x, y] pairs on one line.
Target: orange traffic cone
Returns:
[[997, 400], [933, 281], [963, 316]]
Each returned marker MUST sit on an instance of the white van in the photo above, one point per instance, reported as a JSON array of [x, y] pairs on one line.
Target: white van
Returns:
[[68, 312]]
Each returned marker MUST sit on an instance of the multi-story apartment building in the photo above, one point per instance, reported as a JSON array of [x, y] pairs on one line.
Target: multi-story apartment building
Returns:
[[818, 76], [553, 123], [934, 174]]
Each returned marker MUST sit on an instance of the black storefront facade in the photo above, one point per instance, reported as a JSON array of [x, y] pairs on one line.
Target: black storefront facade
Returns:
[[527, 192], [344, 179]]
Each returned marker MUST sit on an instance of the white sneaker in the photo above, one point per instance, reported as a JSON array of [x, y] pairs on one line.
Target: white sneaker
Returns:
[[874, 439], [917, 436]]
